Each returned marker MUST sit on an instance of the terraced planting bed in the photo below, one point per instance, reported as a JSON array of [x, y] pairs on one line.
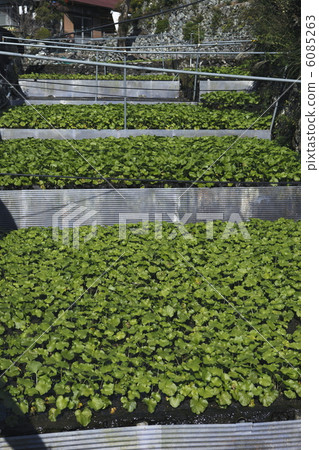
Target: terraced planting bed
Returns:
[[194, 324], [169, 328], [146, 157], [161, 116], [109, 76], [106, 86]]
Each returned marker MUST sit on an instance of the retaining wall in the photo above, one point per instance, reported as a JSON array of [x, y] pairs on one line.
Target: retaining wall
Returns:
[[206, 86], [100, 88], [26, 208], [250, 436], [21, 133]]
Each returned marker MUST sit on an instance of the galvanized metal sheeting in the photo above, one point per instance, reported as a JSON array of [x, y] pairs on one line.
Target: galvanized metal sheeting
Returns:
[[25, 208], [64, 101], [267, 435], [21, 133], [100, 88], [206, 86]]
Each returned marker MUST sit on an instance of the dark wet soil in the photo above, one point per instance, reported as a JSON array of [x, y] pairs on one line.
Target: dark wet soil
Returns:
[[117, 416]]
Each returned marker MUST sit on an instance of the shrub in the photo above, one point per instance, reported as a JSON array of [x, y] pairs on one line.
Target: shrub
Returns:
[[162, 25], [42, 33], [193, 31]]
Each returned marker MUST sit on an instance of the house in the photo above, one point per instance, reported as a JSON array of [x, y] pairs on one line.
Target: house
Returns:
[[82, 15], [79, 16]]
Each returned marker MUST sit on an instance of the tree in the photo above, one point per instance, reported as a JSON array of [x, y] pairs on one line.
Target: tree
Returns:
[[277, 27], [33, 15], [124, 8]]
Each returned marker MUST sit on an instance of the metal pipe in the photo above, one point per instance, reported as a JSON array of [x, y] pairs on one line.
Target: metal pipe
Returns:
[[273, 118], [97, 76], [196, 77], [147, 52], [42, 43], [175, 45], [125, 93], [115, 37], [150, 69], [149, 35], [74, 46]]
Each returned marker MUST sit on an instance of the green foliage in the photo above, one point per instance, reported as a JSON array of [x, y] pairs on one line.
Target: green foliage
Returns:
[[47, 18], [277, 27], [240, 69], [109, 76], [226, 100], [146, 157], [115, 341], [216, 20], [42, 33], [192, 31], [140, 7], [111, 116], [162, 25]]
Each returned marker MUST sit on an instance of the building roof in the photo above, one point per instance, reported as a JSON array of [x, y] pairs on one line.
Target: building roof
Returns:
[[102, 3]]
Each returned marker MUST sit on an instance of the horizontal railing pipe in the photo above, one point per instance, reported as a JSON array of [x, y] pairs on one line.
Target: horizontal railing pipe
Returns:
[[149, 69], [157, 45], [103, 50]]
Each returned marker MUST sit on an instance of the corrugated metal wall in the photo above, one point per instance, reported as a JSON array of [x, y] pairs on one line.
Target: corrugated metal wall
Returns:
[[51, 133], [254, 436], [25, 208]]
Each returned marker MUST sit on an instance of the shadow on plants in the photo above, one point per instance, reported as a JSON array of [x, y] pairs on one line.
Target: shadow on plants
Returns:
[[7, 222], [12, 419], [14, 423]]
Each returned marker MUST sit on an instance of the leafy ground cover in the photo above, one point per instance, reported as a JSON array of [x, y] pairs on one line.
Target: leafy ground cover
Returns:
[[146, 157], [109, 76], [159, 116], [242, 69], [230, 100], [171, 320]]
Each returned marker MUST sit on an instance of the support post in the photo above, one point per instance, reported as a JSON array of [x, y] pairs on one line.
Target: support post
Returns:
[[196, 76], [273, 118], [125, 94], [96, 77]]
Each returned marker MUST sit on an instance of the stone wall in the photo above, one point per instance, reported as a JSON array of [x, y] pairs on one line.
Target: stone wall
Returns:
[[212, 20], [218, 20]]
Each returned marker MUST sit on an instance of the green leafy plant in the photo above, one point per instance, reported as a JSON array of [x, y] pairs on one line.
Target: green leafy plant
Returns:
[[230, 100], [158, 116], [240, 69], [152, 329], [79, 76], [146, 157]]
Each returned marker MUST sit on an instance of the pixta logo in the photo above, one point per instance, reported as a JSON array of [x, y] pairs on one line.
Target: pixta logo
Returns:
[[142, 220], [73, 216]]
